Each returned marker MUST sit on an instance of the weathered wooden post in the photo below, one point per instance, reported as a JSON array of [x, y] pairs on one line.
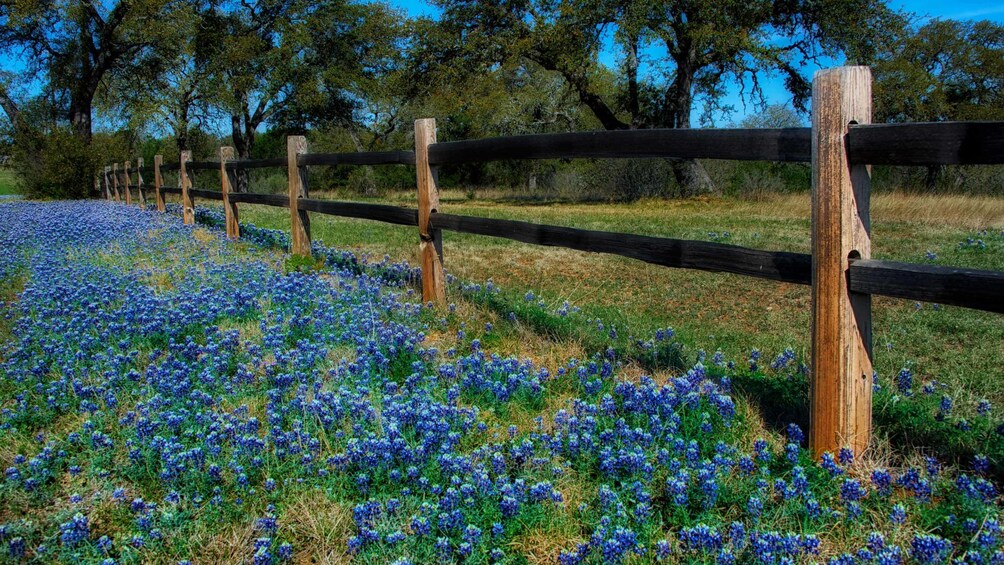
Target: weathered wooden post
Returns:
[[187, 206], [104, 183], [841, 387], [158, 181], [226, 186], [139, 183], [431, 239], [115, 180], [296, 145], [127, 181]]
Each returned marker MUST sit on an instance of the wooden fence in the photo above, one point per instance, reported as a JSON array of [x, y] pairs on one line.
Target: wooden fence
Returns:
[[841, 145]]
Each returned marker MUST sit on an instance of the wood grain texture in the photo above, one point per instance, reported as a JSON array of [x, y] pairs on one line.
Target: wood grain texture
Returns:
[[115, 181], [940, 143], [430, 239], [361, 158], [230, 217], [379, 212], [139, 183], [971, 288], [126, 183], [158, 182], [701, 255], [107, 183], [185, 182], [299, 219], [792, 144], [171, 190], [841, 381]]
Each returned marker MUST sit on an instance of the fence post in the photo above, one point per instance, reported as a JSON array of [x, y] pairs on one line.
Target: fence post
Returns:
[[841, 386], [187, 206], [158, 182], [296, 145], [115, 181], [431, 239], [104, 180], [127, 181], [229, 208], [139, 182]]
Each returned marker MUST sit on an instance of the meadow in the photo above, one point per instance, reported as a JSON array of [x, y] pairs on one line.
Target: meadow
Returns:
[[714, 312], [8, 182], [170, 396]]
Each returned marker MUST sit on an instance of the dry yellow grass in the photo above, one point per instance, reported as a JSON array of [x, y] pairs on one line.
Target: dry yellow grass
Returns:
[[234, 543], [318, 525], [544, 544], [950, 210]]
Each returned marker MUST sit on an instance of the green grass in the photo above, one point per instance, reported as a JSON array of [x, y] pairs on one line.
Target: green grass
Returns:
[[710, 311], [8, 182]]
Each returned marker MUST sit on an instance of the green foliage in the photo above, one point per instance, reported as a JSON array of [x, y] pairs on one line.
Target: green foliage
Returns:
[[946, 70], [8, 182], [57, 164], [303, 264]]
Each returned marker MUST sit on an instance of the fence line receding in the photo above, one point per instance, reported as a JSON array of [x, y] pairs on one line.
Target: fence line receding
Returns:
[[841, 145]]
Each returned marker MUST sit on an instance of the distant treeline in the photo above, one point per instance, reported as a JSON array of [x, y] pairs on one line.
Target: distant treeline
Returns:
[[160, 76]]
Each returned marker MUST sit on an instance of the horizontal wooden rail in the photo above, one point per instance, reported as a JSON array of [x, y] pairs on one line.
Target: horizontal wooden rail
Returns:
[[791, 144], [207, 194], [278, 200], [839, 145], [971, 288], [379, 212], [203, 166], [705, 256], [194, 192], [257, 163], [362, 158], [938, 143]]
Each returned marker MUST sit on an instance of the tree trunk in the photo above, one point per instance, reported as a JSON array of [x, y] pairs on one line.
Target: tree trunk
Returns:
[[10, 108], [692, 178], [181, 127], [689, 173], [242, 145], [933, 176], [80, 117], [369, 185]]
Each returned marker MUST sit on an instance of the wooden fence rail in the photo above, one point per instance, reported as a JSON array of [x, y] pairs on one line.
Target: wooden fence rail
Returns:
[[841, 145]]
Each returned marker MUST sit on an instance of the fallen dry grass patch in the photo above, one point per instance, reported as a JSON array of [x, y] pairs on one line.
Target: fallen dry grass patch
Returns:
[[319, 526]]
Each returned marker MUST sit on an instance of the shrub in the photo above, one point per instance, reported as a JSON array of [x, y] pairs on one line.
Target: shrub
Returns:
[[55, 164]]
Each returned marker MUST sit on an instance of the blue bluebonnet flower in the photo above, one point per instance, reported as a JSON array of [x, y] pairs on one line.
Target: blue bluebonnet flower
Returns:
[[930, 548], [904, 381], [827, 462], [75, 531], [898, 514]]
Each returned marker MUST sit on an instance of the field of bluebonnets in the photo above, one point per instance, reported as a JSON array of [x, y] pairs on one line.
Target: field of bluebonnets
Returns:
[[170, 396]]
